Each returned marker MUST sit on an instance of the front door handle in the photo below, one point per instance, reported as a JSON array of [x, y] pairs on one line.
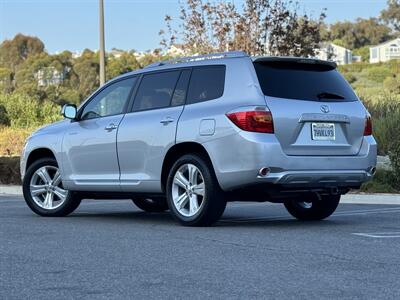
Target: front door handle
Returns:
[[167, 120], [111, 127]]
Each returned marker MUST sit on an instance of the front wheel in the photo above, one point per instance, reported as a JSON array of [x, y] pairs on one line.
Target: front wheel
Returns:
[[193, 193], [313, 208], [44, 192]]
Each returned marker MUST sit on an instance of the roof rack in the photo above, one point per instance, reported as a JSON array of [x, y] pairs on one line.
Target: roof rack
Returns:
[[302, 60], [220, 55]]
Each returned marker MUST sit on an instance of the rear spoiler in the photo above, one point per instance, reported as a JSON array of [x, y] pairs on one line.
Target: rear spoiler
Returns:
[[294, 60]]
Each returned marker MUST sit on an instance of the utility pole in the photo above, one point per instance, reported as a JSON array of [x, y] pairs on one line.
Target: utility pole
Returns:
[[102, 47]]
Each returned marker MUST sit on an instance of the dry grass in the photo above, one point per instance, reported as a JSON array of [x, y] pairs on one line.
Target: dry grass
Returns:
[[12, 140]]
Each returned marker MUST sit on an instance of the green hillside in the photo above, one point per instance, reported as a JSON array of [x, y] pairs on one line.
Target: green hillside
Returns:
[[374, 82]]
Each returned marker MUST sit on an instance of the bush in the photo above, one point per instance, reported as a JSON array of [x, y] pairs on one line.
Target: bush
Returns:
[[4, 119], [386, 115], [363, 52], [383, 182], [378, 73], [12, 140], [394, 155], [392, 84], [9, 170], [27, 112]]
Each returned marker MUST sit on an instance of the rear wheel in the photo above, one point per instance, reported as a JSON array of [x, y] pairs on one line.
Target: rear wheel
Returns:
[[44, 192], [313, 208], [193, 193], [157, 204]]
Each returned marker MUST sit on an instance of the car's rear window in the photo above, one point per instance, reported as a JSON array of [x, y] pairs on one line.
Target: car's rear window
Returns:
[[303, 81]]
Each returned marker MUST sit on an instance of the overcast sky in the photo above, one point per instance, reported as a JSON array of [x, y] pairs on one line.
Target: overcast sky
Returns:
[[130, 24]]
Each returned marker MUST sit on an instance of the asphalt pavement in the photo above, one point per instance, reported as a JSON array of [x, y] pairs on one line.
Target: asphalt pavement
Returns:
[[112, 250]]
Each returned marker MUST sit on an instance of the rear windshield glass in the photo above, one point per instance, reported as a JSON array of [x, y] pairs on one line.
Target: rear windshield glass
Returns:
[[303, 82]]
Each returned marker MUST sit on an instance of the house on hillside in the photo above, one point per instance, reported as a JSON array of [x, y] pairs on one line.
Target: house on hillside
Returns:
[[385, 51], [176, 50], [50, 76], [336, 53]]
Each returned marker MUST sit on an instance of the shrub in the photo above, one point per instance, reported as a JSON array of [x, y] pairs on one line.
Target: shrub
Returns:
[[394, 155], [383, 182], [27, 112], [392, 84], [12, 140], [386, 118], [4, 119], [363, 52], [378, 73], [9, 170]]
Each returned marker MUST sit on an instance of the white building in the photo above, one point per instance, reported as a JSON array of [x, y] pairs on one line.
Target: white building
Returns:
[[385, 51], [176, 50], [338, 54], [50, 76]]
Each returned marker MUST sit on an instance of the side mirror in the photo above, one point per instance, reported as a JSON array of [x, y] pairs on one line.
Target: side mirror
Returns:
[[69, 111]]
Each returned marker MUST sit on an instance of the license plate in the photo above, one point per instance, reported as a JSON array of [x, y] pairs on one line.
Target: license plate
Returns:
[[323, 131]]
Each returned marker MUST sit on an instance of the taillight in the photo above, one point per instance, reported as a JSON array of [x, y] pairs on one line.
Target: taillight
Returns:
[[368, 126], [253, 120]]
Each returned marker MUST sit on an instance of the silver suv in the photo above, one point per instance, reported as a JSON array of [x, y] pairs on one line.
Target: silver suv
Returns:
[[190, 134]]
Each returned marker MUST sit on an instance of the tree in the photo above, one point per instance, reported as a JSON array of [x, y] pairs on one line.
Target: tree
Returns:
[[363, 52], [6, 78], [125, 62], [361, 33], [391, 15], [15, 51], [86, 68], [261, 27]]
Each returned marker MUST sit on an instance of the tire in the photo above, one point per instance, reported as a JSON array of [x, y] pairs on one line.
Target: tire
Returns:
[[151, 205], [313, 208], [198, 201], [61, 203]]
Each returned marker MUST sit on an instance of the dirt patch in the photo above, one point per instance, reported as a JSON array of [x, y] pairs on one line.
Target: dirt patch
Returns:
[[9, 170]]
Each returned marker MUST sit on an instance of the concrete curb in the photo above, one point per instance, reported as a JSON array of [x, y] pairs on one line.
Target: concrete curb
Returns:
[[363, 198], [11, 189]]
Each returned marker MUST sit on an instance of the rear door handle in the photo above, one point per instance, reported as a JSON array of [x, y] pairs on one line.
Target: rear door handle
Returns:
[[111, 127], [167, 120]]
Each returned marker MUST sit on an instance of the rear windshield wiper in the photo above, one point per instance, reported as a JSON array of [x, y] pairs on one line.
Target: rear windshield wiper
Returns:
[[328, 95]]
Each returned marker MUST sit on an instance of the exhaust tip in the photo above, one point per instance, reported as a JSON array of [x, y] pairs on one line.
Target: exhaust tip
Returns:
[[264, 171], [372, 170]]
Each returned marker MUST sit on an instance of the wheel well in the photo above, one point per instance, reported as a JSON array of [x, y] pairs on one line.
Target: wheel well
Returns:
[[38, 154], [177, 151]]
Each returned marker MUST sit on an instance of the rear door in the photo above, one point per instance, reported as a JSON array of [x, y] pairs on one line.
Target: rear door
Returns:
[[315, 111], [148, 131]]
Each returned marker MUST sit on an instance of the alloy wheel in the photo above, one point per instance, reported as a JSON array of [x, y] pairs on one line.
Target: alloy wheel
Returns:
[[46, 188], [188, 190]]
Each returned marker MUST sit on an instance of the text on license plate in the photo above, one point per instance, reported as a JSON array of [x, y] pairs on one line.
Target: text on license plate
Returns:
[[323, 131]]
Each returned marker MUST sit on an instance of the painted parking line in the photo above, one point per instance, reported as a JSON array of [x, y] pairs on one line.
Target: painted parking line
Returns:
[[379, 235], [367, 211], [337, 214]]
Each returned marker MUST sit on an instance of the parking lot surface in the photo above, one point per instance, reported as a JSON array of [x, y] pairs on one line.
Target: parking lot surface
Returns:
[[111, 249]]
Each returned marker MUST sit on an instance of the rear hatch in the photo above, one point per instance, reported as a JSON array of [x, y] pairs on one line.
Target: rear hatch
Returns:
[[314, 109]]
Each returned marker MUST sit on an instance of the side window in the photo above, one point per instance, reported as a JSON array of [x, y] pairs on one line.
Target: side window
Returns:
[[206, 83], [110, 101], [179, 96], [155, 90]]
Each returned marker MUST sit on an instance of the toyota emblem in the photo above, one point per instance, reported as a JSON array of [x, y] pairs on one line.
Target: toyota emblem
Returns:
[[325, 108]]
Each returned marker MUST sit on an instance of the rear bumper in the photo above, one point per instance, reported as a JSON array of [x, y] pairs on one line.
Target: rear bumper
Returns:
[[238, 165], [345, 178]]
